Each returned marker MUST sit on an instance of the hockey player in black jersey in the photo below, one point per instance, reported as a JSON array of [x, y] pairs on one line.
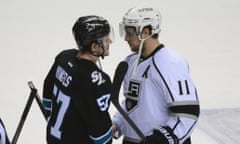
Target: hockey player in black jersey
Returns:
[[76, 91], [3, 134]]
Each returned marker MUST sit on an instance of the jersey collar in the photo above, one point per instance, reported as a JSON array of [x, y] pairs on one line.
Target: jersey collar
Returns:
[[157, 49]]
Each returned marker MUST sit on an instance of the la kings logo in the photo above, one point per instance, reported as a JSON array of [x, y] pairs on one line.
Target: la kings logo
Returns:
[[133, 94]]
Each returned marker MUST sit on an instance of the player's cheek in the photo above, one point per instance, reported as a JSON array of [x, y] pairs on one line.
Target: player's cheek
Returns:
[[106, 51]]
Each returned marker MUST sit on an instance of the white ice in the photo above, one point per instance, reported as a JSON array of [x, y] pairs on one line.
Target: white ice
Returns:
[[206, 32]]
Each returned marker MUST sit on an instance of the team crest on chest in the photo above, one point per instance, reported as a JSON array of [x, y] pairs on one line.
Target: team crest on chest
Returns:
[[133, 93]]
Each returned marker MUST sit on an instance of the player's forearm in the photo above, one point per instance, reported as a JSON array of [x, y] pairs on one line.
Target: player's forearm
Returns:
[[182, 127], [184, 118], [117, 123]]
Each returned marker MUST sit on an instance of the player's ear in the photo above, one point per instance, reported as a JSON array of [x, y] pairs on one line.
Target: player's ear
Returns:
[[145, 33], [95, 48]]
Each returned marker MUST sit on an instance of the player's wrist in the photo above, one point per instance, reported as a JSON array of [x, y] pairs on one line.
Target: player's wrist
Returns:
[[116, 131]]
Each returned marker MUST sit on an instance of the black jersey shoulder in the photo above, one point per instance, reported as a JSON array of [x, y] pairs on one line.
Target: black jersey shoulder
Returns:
[[68, 52]]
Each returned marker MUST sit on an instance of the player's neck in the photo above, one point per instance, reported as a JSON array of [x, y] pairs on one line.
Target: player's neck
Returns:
[[87, 56], [149, 47]]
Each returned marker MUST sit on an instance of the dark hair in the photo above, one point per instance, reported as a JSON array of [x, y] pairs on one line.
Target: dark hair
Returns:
[[155, 36]]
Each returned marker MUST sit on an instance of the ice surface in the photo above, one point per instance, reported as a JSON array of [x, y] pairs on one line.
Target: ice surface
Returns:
[[218, 126], [205, 32]]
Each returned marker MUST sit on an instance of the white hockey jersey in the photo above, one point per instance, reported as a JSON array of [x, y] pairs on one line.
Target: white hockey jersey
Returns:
[[161, 93]]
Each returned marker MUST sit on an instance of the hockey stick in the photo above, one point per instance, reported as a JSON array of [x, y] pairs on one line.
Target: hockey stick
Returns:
[[117, 80], [38, 99], [23, 117], [33, 95]]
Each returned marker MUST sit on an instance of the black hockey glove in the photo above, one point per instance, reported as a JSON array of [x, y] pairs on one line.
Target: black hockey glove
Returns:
[[163, 135]]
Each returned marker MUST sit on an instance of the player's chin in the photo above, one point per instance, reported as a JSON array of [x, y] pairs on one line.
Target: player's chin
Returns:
[[134, 49], [106, 53]]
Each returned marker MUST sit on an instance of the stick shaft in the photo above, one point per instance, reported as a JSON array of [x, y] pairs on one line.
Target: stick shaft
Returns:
[[38, 99], [116, 86], [33, 95], [129, 120], [23, 118]]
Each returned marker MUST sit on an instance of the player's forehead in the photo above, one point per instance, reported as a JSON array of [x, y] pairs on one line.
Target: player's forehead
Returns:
[[130, 29], [107, 38]]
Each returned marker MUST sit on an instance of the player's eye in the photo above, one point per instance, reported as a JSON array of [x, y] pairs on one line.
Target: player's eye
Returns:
[[129, 34]]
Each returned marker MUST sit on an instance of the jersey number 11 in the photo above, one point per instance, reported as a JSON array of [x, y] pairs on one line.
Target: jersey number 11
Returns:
[[180, 85]]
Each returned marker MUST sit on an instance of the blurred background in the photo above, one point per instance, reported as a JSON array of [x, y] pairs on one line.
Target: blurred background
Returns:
[[206, 33]]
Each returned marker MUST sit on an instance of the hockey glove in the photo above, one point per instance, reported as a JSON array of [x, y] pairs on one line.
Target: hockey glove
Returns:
[[163, 135]]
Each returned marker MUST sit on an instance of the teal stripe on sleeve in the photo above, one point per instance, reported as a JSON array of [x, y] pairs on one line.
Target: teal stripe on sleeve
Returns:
[[104, 138], [47, 104]]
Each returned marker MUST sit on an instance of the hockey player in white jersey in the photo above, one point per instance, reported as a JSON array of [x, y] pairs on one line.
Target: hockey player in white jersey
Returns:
[[160, 96], [3, 134]]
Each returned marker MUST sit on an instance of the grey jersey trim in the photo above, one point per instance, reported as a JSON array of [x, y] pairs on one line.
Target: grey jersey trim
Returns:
[[164, 81]]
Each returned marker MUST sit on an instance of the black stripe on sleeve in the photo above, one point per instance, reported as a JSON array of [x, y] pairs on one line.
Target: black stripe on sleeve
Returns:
[[193, 110]]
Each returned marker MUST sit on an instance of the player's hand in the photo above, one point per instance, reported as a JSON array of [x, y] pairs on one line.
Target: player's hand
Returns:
[[163, 135], [116, 131]]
